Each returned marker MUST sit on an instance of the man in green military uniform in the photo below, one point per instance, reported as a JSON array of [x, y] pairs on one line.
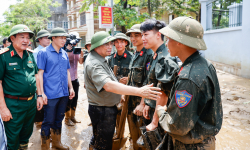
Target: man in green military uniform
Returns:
[[19, 83], [121, 58], [87, 46], [194, 114], [138, 68], [161, 72]]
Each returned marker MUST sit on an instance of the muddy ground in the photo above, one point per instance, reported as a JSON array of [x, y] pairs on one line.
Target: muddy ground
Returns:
[[234, 135]]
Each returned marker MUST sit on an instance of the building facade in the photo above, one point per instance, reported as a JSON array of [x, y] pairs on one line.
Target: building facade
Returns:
[[85, 23], [59, 16], [227, 30]]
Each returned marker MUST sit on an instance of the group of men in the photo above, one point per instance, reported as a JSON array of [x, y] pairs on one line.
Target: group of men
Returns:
[[39, 85], [169, 107]]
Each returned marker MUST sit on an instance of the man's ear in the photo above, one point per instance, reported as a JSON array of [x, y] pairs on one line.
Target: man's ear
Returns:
[[12, 38], [159, 35]]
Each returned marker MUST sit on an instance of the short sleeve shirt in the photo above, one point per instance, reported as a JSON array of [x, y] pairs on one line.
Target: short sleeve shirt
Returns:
[[97, 74], [55, 76], [18, 74], [36, 51]]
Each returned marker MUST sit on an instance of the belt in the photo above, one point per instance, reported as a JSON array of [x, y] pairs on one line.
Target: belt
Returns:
[[19, 98]]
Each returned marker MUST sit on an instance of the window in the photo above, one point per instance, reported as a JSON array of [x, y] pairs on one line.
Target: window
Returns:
[[65, 25], [50, 25], [224, 14], [82, 18], [83, 41]]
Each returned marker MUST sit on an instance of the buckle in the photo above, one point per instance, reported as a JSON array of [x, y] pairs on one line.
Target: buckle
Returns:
[[30, 98]]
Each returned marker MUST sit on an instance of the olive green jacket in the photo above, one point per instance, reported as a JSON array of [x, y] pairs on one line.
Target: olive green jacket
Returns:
[[162, 69], [195, 109]]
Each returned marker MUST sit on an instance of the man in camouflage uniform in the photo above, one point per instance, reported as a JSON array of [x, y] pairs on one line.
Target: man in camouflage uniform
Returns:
[[138, 75], [194, 114], [19, 83], [121, 58], [161, 72]]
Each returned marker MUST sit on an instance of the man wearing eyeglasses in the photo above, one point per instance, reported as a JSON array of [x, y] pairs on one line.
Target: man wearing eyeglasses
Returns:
[[104, 91]]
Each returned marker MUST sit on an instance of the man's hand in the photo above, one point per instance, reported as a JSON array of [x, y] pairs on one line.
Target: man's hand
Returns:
[[145, 112], [72, 93], [150, 92], [69, 47], [45, 99], [122, 99], [123, 80], [39, 103], [5, 114], [139, 109]]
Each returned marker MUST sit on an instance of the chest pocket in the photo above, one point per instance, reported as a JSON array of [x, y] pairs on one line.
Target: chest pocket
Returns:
[[30, 65], [137, 75], [13, 68]]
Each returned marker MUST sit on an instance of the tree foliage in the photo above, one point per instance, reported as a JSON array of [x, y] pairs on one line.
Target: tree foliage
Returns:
[[33, 13], [127, 17]]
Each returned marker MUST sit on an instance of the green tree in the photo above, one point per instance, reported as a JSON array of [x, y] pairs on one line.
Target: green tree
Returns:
[[33, 13], [124, 15]]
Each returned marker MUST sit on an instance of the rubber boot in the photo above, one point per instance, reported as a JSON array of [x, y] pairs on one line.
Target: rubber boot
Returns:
[[73, 119], [67, 119], [56, 140], [45, 143]]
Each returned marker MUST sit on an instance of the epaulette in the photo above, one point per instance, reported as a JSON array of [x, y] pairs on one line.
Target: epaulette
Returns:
[[4, 50], [30, 50]]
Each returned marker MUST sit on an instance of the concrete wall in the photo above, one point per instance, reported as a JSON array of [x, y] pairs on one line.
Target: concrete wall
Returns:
[[59, 14], [229, 46]]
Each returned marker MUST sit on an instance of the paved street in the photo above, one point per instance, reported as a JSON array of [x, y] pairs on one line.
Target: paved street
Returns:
[[234, 135]]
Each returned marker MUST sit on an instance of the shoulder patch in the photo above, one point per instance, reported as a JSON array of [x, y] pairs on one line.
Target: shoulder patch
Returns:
[[4, 50], [30, 50], [182, 98]]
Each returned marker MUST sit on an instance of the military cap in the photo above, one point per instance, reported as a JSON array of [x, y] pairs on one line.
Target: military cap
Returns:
[[88, 43], [20, 28], [42, 33], [122, 36], [99, 39], [134, 28], [187, 31], [58, 32]]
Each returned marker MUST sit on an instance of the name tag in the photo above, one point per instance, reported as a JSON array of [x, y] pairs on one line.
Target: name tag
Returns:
[[13, 64]]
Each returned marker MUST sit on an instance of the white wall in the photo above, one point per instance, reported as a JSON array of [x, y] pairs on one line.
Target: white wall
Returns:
[[230, 46]]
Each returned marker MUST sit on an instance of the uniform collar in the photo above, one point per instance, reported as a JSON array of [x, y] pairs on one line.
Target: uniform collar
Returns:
[[191, 58], [14, 53], [40, 47], [97, 56], [125, 55], [51, 48], [161, 48]]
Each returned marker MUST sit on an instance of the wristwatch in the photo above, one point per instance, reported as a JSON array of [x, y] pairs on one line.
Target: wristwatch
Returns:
[[39, 95]]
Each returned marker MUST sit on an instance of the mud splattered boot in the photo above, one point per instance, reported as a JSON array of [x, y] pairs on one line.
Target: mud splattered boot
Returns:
[[73, 119], [67, 119], [56, 140], [45, 143], [23, 147]]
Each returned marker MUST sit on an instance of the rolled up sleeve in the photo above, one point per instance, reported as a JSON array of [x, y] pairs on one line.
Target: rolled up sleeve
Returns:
[[98, 75]]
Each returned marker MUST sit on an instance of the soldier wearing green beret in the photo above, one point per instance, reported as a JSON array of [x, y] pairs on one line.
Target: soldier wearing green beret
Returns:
[[19, 83], [194, 114], [121, 58], [138, 68]]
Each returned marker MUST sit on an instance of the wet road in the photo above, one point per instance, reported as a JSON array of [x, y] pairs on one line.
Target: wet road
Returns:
[[234, 135]]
